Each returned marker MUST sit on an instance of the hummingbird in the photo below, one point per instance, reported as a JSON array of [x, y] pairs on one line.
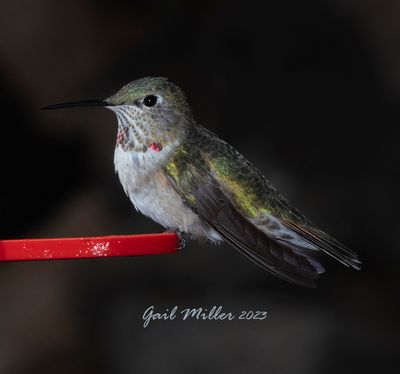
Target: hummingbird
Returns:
[[190, 181]]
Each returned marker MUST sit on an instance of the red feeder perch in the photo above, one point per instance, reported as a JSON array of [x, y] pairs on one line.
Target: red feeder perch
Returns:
[[88, 247]]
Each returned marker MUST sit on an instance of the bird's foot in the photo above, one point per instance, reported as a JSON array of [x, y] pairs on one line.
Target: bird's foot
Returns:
[[183, 237]]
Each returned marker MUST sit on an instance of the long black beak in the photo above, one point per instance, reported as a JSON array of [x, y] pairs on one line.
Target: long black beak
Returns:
[[78, 104]]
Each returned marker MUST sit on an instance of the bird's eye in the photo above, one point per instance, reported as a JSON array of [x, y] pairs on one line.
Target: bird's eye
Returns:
[[150, 100]]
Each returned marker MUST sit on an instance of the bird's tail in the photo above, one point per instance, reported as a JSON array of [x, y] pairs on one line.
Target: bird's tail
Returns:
[[326, 243]]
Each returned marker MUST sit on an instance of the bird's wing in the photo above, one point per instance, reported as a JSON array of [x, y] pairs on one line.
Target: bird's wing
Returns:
[[266, 208], [215, 208], [216, 204], [234, 198]]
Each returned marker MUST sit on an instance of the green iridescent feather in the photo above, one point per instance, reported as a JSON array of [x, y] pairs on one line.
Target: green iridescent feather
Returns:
[[203, 153]]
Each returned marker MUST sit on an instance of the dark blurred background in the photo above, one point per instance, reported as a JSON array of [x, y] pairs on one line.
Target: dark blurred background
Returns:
[[309, 91]]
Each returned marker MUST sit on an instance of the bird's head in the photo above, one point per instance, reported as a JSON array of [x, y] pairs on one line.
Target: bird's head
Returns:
[[152, 112]]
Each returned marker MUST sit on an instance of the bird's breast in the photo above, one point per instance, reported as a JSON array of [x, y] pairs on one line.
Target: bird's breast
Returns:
[[147, 187]]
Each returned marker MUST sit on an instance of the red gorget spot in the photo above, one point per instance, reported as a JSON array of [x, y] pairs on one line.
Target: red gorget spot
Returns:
[[157, 147]]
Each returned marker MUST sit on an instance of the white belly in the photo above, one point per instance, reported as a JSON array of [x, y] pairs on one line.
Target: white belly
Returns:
[[151, 194]]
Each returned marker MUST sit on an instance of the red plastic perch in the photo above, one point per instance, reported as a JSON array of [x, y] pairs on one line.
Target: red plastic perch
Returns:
[[88, 247]]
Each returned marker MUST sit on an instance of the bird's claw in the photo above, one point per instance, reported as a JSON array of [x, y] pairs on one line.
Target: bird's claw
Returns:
[[183, 237]]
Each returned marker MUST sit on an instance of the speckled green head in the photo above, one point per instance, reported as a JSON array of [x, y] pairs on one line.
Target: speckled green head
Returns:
[[135, 92], [150, 111]]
